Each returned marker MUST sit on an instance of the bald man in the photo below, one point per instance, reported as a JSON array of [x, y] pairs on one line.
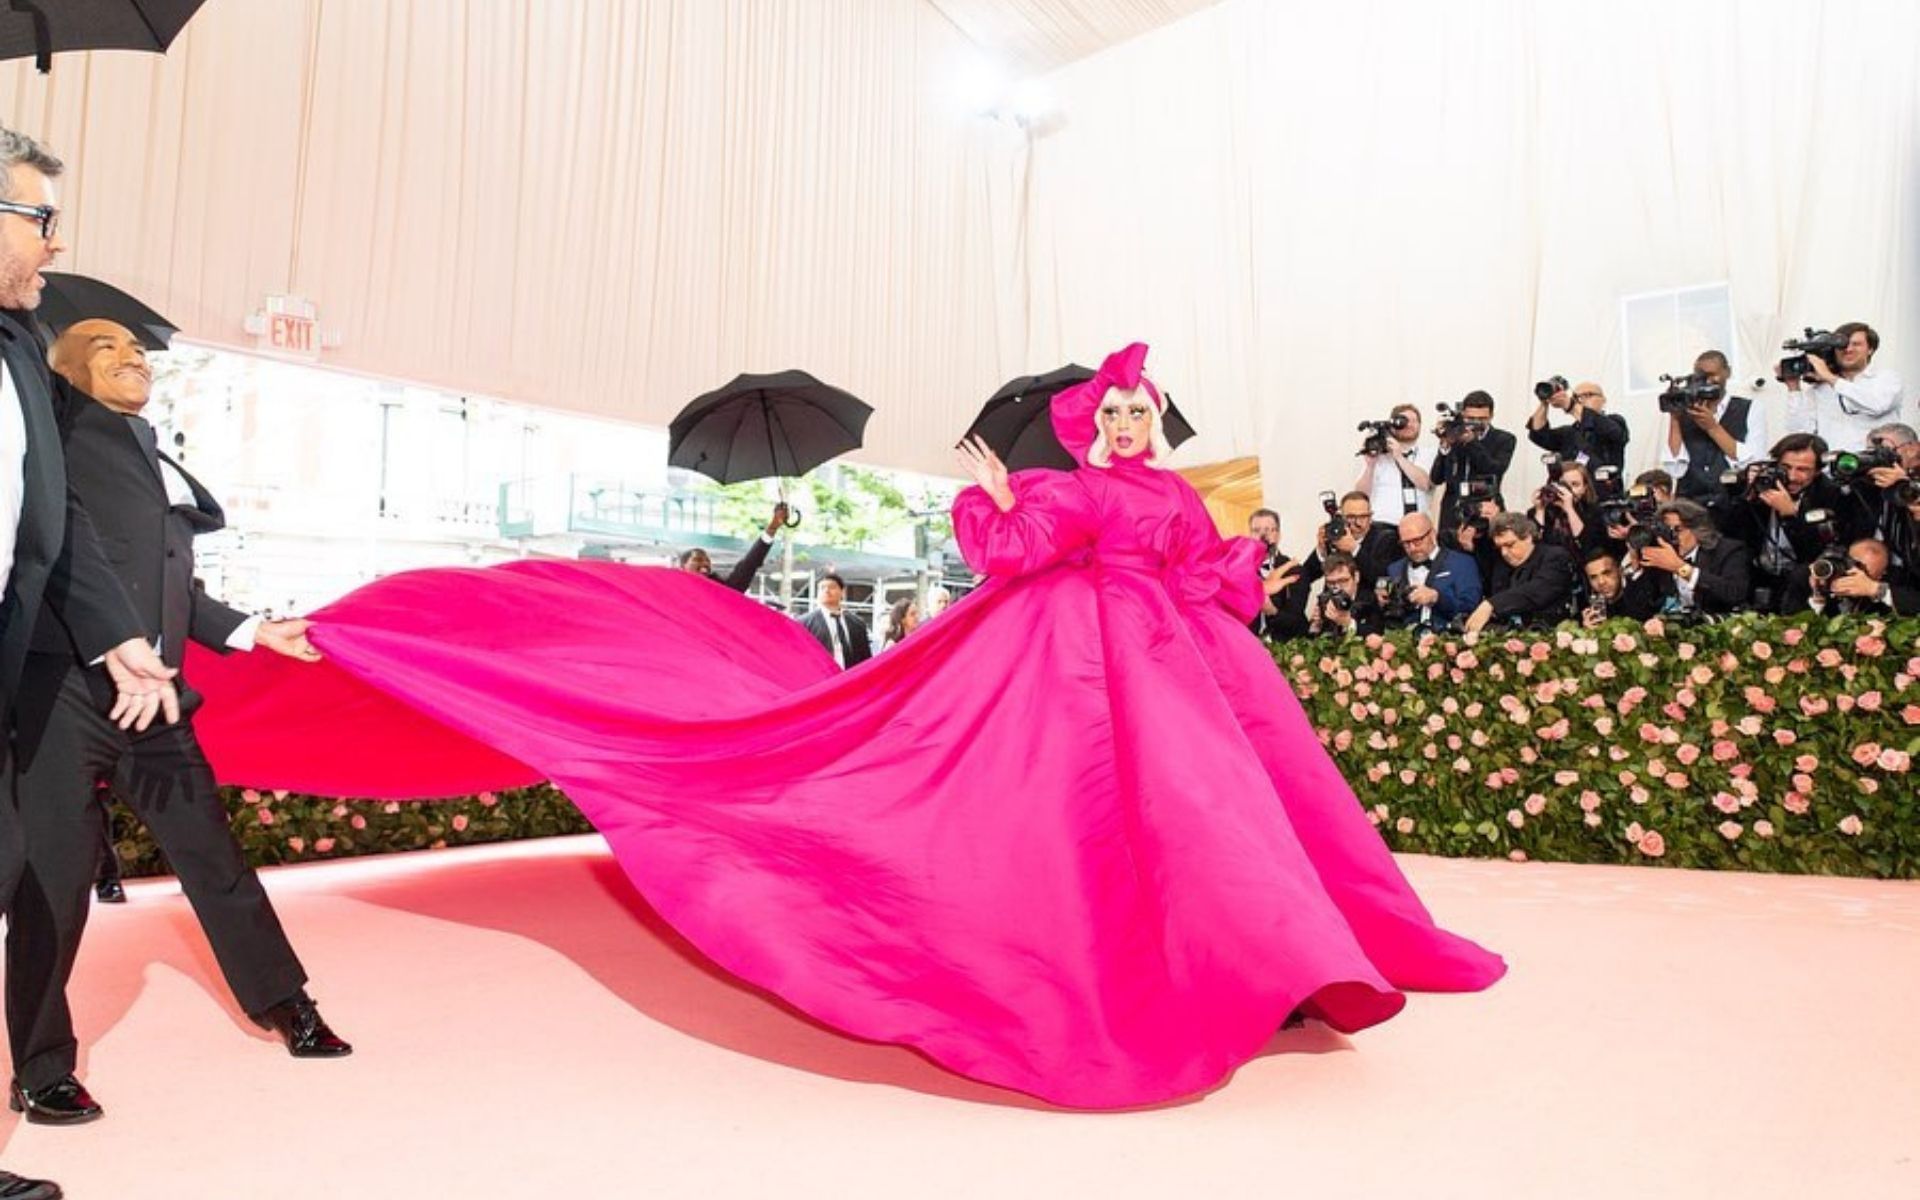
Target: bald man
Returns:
[[1442, 583], [1595, 437], [147, 510]]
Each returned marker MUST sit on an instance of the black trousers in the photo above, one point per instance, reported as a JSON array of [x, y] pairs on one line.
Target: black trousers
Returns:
[[164, 778]]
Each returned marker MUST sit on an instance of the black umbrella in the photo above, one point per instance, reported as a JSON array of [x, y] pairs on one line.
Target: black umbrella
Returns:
[[1016, 422], [759, 426], [71, 298], [43, 27]]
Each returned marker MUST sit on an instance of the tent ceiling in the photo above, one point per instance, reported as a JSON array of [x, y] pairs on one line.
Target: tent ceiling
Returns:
[[1033, 36]]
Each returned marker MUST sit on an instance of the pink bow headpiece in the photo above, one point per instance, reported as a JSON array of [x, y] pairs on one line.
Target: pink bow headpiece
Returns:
[[1072, 409]]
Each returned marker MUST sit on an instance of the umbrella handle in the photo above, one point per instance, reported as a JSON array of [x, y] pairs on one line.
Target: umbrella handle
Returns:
[[793, 518]]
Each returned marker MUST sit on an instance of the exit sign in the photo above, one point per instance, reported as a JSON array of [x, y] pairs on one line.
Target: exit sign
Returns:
[[289, 326]]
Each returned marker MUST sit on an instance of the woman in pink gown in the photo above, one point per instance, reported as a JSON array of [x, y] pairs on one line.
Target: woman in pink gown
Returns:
[[1074, 837]]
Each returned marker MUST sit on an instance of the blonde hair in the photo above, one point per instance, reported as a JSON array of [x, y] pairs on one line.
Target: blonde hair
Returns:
[[1158, 447]]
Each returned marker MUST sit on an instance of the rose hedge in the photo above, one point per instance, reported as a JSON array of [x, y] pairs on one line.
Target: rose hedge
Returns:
[[1761, 744], [1758, 744]]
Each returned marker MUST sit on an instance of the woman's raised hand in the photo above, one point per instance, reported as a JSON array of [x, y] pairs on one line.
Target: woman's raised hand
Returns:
[[984, 467]]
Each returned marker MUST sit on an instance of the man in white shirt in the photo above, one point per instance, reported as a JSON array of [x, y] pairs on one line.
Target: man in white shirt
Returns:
[[1709, 439], [1841, 402], [1400, 481]]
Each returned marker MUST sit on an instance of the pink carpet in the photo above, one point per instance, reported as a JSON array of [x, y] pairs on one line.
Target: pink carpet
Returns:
[[526, 1028]]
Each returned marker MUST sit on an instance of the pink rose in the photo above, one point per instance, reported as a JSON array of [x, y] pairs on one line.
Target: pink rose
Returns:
[[1785, 737], [1404, 825], [1793, 636], [1535, 804], [1866, 753], [1605, 670], [1813, 706], [1436, 670], [1911, 714], [1688, 754], [1674, 710], [358, 822], [1510, 774], [1807, 763], [1649, 732], [1515, 818], [1617, 753], [1655, 627], [1358, 710], [281, 793], [1566, 778], [1590, 820], [1726, 802], [1828, 658], [323, 845], [1343, 739], [1851, 825], [1686, 650], [1774, 676], [1462, 765], [1628, 779], [265, 815], [1539, 651], [1867, 786], [1623, 642], [297, 844], [1729, 830], [1653, 845], [1603, 726], [1468, 660], [1589, 801], [1472, 711], [1639, 795], [1557, 731], [1869, 701], [1701, 676], [1635, 833], [1796, 803], [1802, 782], [339, 810], [1408, 774], [1494, 781], [1762, 651], [1870, 646], [1516, 855], [1763, 828], [1895, 760], [1677, 780], [1725, 752], [1843, 702], [249, 796], [1749, 726], [460, 822], [1529, 755], [1798, 667], [390, 807]]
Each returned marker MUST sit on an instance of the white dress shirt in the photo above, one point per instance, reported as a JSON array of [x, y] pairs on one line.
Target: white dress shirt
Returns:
[[1845, 411], [1393, 495], [13, 471]]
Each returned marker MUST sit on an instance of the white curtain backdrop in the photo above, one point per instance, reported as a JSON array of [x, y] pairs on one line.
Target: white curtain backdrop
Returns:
[[1311, 211], [1316, 211]]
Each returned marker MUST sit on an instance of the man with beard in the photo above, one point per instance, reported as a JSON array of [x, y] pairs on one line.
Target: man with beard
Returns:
[[147, 510], [49, 557]]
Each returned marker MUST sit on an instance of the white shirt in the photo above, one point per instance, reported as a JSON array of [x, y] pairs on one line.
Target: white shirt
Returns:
[[1845, 411], [1393, 496], [1749, 449], [13, 471]]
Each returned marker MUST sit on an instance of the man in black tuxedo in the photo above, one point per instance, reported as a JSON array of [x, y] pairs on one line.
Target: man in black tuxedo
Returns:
[[147, 511], [49, 558], [844, 636], [1697, 569], [1283, 614], [1371, 546], [1472, 452], [1534, 580], [740, 578]]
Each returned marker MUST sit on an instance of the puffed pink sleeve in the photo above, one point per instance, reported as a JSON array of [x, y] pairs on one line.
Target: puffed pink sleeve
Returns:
[[1052, 516], [1225, 568]]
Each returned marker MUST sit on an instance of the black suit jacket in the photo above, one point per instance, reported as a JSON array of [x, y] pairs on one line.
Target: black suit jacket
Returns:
[[146, 538], [741, 577], [57, 565], [858, 649], [1721, 580], [1537, 589], [1484, 458], [1601, 436]]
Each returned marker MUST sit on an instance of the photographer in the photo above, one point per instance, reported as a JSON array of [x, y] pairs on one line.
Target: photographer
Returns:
[[1614, 592], [1472, 451], [1787, 512], [1697, 570], [1658, 483], [1350, 530], [1847, 582], [1396, 475], [1891, 465], [1534, 581], [1594, 437], [1711, 437], [1567, 508], [1432, 585], [1344, 608], [1283, 614], [1836, 393], [1903, 544], [1474, 534]]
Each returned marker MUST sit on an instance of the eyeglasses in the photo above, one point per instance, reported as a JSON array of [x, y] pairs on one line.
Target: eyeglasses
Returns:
[[46, 214], [1586, 395]]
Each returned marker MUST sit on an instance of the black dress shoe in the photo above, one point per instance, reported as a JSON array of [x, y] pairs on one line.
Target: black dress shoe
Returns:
[[62, 1103], [299, 1024], [19, 1187], [110, 892]]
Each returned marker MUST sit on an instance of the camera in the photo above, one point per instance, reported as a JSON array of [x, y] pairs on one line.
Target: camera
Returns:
[[1755, 479], [1846, 466], [1336, 599], [1391, 595], [1606, 483], [1906, 493], [1377, 432], [1274, 560], [1597, 606], [1694, 389], [1454, 425], [1833, 562], [1820, 344], [1336, 527], [1642, 536], [1547, 388], [1636, 508]]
